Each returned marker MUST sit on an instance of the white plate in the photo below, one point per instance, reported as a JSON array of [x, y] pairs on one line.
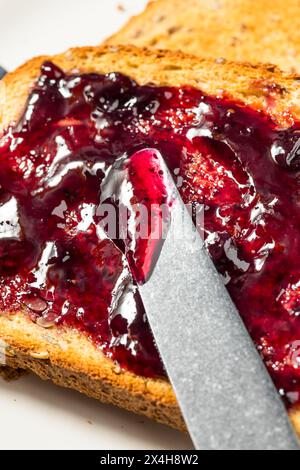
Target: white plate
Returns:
[[36, 414], [35, 27]]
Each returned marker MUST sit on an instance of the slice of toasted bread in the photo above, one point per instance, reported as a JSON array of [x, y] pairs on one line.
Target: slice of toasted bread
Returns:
[[62, 354], [249, 30]]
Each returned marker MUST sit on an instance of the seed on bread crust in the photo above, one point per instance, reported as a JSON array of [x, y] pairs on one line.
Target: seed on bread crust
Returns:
[[40, 355]]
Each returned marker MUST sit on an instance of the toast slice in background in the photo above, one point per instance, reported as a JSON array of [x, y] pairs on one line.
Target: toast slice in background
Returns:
[[243, 30], [64, 355]]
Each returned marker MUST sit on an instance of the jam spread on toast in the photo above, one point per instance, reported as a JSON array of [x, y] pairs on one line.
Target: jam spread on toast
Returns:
[[82, 142]]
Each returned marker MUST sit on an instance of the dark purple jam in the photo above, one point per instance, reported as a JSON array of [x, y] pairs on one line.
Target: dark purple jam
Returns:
[[80, 143]]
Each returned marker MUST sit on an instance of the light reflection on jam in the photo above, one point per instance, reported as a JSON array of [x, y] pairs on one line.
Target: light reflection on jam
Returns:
[[80, 143]]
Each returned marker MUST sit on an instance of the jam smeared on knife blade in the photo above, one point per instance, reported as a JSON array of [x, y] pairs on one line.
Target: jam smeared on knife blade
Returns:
[[82, 141]]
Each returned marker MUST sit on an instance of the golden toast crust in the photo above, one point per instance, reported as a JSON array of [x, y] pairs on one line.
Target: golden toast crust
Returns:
[[63, 354], [251, 30]]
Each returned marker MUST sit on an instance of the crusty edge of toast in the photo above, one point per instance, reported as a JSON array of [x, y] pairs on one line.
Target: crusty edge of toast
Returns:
[[69, 359], [11, 373], [62, 354], [262, 86]]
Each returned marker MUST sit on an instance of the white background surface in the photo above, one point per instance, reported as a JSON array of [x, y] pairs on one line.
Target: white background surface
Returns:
[[35, 414]]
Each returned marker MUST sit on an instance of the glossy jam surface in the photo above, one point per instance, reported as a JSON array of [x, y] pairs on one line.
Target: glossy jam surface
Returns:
[[81, 143]]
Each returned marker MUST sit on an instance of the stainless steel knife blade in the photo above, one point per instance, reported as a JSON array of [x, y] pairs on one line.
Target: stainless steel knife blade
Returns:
[[225, 393], [294, 156]]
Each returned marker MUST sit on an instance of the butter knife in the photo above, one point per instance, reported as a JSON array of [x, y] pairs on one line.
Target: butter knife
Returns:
[[225, 393]]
